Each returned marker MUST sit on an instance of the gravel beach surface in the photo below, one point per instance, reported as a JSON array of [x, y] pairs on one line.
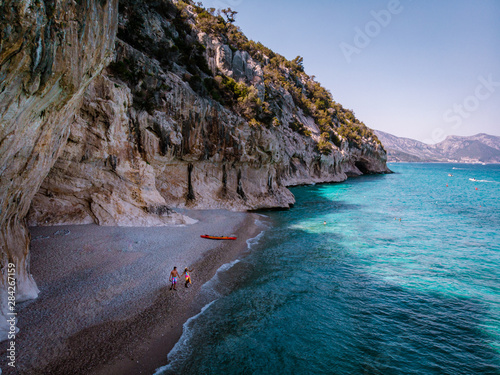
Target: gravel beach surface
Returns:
[[105, 306]]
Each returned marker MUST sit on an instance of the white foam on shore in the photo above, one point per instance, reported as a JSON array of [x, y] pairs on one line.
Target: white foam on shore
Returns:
[[179, 351], [251, 242], [209, 288], [225, 267]]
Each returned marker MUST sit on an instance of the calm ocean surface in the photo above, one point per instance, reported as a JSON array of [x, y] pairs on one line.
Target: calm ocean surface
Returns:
[[366, 293]]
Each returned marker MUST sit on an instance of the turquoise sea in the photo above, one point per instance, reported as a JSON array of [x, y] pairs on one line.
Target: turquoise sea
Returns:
[[404, 278]]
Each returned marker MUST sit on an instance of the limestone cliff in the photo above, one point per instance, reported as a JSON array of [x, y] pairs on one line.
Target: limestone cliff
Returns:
[[188, 113], [101, 176], [172, 103], [50, 51]]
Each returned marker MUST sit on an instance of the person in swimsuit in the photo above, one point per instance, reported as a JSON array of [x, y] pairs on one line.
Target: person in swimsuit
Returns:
[[173, 278], [188, 277]]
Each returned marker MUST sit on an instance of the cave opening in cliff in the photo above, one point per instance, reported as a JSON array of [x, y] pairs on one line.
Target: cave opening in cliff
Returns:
[[362, 166]]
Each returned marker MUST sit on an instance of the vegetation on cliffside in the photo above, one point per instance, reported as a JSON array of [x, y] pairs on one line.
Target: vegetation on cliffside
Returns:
[[176, 45]]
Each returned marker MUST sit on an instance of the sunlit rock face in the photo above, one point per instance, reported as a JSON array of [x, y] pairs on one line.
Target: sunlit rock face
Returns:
[[100, 176], [49, 53], [190, 150]]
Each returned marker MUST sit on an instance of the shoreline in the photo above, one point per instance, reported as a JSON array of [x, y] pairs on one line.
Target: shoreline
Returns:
[[102, 311], [154, 353]]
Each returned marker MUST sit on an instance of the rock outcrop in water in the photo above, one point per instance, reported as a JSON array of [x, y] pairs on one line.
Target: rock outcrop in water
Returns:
[[189, 113]]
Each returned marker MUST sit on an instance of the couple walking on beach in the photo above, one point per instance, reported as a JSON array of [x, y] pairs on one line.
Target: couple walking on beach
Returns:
[[174, 275]]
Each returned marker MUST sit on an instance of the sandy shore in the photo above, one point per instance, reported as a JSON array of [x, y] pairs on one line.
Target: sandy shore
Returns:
[[105, 306]]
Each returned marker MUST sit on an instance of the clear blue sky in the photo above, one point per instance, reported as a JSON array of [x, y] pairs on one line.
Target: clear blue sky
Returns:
[[415, 73]]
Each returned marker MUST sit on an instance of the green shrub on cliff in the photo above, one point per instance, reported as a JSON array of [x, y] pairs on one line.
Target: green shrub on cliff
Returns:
[[299, 128], [244, 99], [325, 147]]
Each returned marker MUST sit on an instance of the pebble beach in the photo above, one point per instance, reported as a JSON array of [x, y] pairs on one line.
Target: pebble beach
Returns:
[[105, 304]]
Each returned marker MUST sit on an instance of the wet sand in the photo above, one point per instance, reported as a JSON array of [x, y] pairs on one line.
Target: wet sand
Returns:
[[105, 306]]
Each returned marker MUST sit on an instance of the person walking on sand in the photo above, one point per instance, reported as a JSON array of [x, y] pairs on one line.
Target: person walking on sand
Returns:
[[188, 277], [173, 278]]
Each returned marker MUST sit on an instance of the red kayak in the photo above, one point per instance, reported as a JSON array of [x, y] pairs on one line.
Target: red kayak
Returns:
[[217, 237]]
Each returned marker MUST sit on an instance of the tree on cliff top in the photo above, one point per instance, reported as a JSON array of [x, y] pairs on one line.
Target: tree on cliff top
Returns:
[[229, 13]]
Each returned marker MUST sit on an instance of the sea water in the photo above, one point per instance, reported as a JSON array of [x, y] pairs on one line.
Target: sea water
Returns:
[[404, 278]]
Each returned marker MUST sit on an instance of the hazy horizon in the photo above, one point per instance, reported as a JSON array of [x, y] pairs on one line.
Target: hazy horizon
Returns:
[[420, 72], [449, 135]]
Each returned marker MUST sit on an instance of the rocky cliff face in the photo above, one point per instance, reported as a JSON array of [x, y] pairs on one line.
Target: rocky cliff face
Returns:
[[101, 177], [184, 116], [49, 53], [194, 150]]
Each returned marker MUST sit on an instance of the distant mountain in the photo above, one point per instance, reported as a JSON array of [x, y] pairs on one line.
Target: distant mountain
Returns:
[[479, 148]]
